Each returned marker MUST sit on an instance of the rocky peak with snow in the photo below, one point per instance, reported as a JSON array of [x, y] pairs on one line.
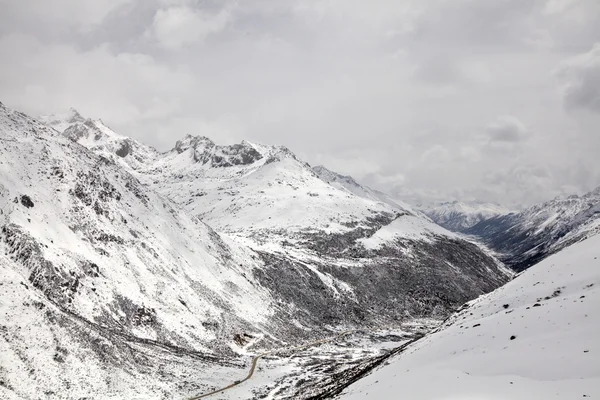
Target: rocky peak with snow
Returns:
[[330, 176], [205, 151], [91, 131]]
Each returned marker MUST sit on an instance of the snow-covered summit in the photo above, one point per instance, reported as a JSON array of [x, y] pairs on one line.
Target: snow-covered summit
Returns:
[[62, 121], [206, 152], [97, 136]]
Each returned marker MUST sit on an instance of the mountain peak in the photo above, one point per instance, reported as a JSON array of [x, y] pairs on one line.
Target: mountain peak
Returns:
[[193, 142], [206, 151], [62, 121]]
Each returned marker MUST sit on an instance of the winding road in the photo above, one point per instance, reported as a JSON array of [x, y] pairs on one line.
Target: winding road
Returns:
[[259, 356]]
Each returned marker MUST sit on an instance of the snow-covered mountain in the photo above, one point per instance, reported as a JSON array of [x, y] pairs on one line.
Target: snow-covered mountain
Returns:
[[95, 135], [534, 338], [265, 198], [524, 238], [113, 283], [459, 216], [103, 279]]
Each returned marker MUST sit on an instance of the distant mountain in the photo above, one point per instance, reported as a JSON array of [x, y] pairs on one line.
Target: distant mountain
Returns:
[[524, 238], [60, 122], [459, 216]]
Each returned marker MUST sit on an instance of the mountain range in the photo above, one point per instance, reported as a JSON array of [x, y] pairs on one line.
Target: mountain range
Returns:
[[127, 270]]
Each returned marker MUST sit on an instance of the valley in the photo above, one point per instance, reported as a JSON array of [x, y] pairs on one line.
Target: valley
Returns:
[[228, 271]]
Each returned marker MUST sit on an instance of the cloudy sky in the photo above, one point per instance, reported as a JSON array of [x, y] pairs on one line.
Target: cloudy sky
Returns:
[[436, 99]]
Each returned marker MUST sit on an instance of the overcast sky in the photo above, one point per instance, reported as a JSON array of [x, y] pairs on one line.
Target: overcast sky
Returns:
[[496, 100]]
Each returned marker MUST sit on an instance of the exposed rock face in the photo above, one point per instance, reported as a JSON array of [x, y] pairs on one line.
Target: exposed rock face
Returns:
[[527, 237], [205, 151], [26, 201]]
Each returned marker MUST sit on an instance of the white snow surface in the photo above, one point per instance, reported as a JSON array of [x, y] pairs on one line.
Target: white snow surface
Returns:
[[553, 312], [97, 136]]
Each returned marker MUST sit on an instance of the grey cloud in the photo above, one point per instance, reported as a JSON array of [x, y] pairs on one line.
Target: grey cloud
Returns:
[[582, 72], [404, 95], [175, 27], [507, 129]]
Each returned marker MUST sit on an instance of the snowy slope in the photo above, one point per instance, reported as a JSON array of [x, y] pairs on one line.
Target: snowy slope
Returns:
[[526, 237], [252, 190], [459, 216], [261, 192], [534, 338], [47, 353]]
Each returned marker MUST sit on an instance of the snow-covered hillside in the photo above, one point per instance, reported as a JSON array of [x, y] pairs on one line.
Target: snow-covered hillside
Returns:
[[534, 338], [459, 216], [99, 243], [104, 280], [96, 136], [268, 199], [526, 237]]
